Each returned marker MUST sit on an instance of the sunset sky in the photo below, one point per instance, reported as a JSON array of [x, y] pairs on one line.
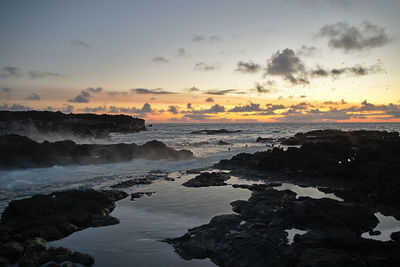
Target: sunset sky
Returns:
[[203, 61]]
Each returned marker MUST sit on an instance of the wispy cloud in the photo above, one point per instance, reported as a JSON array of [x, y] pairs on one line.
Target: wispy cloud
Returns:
[[144, 91], [202, 66], [160, 60], [248, 67], [79, 43], [220, 92], [33, 96]]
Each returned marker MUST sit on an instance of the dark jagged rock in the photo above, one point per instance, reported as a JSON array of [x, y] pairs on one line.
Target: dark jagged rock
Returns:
[[146, 179], [337, 136], [369, 160], [140, 194], [222, 131], [208, 179], [58, 214], [223, 143], [26, 224], [257, 237], [256, 187], [81, 258], [264, 140], [49, 123], [22, 152]]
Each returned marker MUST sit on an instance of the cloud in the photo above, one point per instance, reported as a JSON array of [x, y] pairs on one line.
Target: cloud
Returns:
[[198, 117], [116, 93], [173, 109], [8, 72], [95, 109], [189, 106], [354, 38], [160, 60], [33, 96], [181, 52], [357, 70], [202, 66], [144, 91], [146, 108], [210, 99], [67, 108], [247, 108], [193, 89], [15, 107], [261, 89], [288, 66], [34, 74], [248, 67], [204, 38], [220, 92], [84, 95], [78, 43], [307, 51]]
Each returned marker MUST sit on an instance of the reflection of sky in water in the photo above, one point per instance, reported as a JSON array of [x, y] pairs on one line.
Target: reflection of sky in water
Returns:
[[292, 232], [306, 191], [168, 213], [386, 225]]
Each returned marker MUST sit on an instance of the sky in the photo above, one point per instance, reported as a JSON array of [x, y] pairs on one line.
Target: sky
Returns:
[[203, 60]]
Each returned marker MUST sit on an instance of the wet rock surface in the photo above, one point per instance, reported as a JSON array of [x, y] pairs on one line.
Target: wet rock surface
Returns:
[[362, 168], [49, 123], [27, 224], [140, 194], [367, 161], [223, 143], [22, 152], [256, 235], [208, 179], [221, 131]]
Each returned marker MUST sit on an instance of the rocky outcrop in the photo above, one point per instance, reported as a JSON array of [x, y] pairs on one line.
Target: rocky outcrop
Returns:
[[48, 124], [27, 224], [222, 131], [22, 152], [256, 236], [208, 179], [368, 160]]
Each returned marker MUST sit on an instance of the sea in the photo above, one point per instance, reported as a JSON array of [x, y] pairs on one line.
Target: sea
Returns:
[[173, 209]]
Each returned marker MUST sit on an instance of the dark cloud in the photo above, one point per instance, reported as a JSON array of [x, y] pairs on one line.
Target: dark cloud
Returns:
[[288, 66], [84, 95], [67, 108], [173, 109], [193, 89], [247, 108], [33, 96], [133, 110], [78, 43], [210, 99], [220, 92], [15, 107], [95, 109], [354, 38], [181, 52], [262, 89], [189, 106], [34, 74], [204, 38], [9, 71], [144, 91], [248, 67], [307, 51], [160, 60], [357, 70], [202, 66]]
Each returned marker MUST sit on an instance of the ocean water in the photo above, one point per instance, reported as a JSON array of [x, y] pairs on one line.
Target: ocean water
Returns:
[[173, 208]]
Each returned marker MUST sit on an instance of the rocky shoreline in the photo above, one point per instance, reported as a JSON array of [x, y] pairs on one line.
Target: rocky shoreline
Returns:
[[360, 167], [52, 124], [22, 152], [366, 163]]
